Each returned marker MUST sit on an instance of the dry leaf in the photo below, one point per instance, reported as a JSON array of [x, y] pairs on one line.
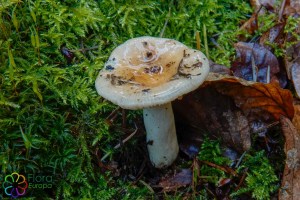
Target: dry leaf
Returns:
[[274, 35], [224, 181], [296, 119], [290, 185], [180, 179], [217, 68], [252, 62], [292, 8], [251, 25], [268, 4], [255, 99], [292, 65], [255, 4], [208, 111], [228, 107], [296, 77]]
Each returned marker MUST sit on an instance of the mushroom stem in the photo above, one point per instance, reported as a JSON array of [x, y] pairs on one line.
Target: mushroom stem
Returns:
[[161, 135]]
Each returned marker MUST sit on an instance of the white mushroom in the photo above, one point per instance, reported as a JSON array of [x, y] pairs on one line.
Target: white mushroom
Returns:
[[148, 73]]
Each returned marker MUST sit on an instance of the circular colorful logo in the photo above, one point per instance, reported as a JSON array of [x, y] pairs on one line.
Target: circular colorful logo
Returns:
[[15, 185]]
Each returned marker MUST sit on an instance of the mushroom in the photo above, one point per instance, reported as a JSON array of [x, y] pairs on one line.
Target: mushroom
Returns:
[[148, 73]]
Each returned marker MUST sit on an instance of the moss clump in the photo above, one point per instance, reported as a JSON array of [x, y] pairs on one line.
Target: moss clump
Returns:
[[51, 119]]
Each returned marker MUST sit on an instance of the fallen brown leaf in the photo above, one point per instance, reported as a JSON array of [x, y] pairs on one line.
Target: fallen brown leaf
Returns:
[[255, 99], [180, 179], [196, 173], [251, 25], [268, 4], [296, 119], [274, 35], [255, 4], [292, 8], [217, 68], [229, 108], [292, 65], [224, 181], [252, 62], [296, 77], [258, 4], [290, 185]]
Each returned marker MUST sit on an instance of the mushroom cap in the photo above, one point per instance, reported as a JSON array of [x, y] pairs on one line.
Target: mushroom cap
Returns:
[[148, 71]]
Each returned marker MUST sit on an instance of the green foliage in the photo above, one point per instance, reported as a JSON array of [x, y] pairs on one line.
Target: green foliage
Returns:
[[291, 28], [51, 119], [211, 151], [261, 180]]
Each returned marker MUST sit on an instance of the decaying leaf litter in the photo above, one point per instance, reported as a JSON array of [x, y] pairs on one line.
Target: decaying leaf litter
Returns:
[[257, 95]]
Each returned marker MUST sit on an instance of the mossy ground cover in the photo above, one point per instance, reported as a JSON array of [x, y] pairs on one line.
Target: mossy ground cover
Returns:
[[53, 123]]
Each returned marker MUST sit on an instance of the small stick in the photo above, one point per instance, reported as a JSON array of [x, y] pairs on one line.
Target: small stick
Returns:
[[198, 40], [205, 41], [141, 172], [240, 159], [122, 142], [254, 69], [113, 112], [215, 43], [126, 139], [268, 74], [147, 186], [229, 171], [266, 127], [111, 117], [166, 23], [281, 10], [242, 180], [210, 191]]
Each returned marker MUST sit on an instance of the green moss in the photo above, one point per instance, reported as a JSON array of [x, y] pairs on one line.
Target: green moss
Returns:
[[51, 119], [211, 151], [261, 180]]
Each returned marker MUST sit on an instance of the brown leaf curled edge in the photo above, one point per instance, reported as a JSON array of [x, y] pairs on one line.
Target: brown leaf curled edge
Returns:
[[296, 77], [229, 108], [255, 99], [290, 185], [180, 179]]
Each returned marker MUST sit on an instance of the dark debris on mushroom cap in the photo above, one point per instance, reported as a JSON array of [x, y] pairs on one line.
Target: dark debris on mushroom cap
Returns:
[[148, 71]]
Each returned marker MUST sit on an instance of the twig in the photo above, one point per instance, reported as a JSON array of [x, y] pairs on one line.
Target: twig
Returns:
[[198, 40], [266, 127], [210, 191], [126, 139], [205, 41], [113, 112], [242, 180], [112, 115], [281, 10], [121, 143], [240, 159], [147, 186], [216, 43], [254, 68], [268, 74], [227, 170], [141, 171], [166, 23]]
